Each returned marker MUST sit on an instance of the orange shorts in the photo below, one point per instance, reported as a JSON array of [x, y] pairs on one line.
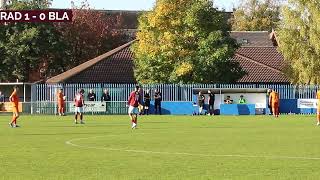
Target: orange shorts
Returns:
[[275, 104], [15, 109], [61, 105]]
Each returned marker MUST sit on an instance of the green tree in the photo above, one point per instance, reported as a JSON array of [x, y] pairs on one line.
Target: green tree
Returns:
[[184, 41], [25, 46], [298, 37], [256, 15]]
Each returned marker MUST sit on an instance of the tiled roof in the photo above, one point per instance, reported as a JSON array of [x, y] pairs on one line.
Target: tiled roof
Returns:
[[252, 38], [263, 64], [265, 55], [115, 65], [258, 71]]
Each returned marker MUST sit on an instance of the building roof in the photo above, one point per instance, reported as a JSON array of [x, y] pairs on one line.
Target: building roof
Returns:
[[259, 71], [115, 66], [261, 60], [252, 38]]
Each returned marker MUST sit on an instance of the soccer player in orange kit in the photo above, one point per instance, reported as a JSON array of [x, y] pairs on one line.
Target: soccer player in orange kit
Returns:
[[318, 107], [274, 103], [60, 99], [14, 99]]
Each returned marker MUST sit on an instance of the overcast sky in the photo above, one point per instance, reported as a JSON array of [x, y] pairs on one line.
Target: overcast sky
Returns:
[[131, 4]]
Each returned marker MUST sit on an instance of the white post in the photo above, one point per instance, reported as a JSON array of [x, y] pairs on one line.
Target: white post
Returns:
[[24, 92]]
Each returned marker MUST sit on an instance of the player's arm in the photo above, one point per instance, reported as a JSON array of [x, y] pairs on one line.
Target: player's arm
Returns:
[[10, 98], [130, 97], [270, 98]]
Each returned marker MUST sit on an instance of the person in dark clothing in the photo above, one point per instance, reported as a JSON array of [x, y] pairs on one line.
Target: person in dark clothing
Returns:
[[91, 95], [106, 98], [146, 102], [211, 102], [269, 106], [1, 97], [157, 101], [201, 99]]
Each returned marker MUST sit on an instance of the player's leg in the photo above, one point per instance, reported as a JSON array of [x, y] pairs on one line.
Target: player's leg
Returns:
[[277, 109], [81, 118], [76, 115], [318, 116]]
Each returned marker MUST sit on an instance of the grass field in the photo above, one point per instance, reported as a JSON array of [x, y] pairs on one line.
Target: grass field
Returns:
[[164, 147]]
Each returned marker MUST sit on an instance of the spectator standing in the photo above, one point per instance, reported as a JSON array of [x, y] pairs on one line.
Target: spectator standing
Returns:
[[201, 99], [91, 95], [1, 97], [269, 104], [106, 98], [211, 102], [157, 101], [147, 99]]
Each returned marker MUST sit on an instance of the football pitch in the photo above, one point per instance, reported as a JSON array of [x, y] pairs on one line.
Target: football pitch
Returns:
[[163, 147]]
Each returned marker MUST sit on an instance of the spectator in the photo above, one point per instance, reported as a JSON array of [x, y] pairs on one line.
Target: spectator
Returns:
[[228, 100], [105, 96], [242, 100], [157, 101], [1, 97], [201, 99], [146, 102], [211, 102], [91, 95], [269, 105]]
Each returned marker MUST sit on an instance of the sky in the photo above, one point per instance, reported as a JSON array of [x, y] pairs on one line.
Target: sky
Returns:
[[131, 4]]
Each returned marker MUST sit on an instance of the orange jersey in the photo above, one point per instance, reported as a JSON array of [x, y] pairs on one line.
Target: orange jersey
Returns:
[[318, 97], [60, 97], [14, 99], [274, 97]]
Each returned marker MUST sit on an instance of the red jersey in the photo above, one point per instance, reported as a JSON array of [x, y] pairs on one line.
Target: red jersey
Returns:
[[134, 99], [78, 100]]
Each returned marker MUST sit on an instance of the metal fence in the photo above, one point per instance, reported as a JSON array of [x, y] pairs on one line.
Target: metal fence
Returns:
[[170, 92], [43, 96]]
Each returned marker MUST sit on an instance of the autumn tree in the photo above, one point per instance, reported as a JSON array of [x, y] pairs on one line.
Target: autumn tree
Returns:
[[298, 37], [184, 41], [91, 33], [256, 15]]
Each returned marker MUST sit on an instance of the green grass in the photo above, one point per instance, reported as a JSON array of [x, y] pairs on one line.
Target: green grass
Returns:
[[164, 147]]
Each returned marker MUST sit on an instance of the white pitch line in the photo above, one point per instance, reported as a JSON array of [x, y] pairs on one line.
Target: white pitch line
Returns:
[[70, 142]]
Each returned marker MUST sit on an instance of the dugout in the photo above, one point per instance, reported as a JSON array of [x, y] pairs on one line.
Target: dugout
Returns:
[[256, 100]]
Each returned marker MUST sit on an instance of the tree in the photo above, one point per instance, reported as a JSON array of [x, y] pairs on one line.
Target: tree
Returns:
[[184, 41], [24, 46], [299, 42], [256, 15], [91, 33]]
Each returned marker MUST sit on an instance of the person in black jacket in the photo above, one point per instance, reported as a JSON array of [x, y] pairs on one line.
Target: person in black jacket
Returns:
[[157, 101], [106, 98], [147, 99], [201, 99], [91, 95], [211, 102]]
